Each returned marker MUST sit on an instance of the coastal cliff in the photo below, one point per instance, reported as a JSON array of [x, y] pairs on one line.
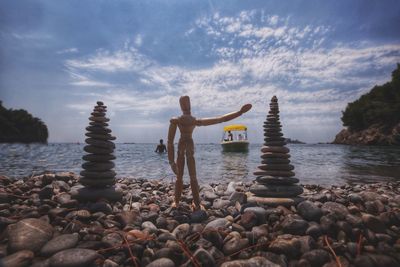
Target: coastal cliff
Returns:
[[373, 135], [19, 126], [374, 118]]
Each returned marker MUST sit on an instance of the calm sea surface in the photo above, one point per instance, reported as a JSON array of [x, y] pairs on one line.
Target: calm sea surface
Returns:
[[314, 164]]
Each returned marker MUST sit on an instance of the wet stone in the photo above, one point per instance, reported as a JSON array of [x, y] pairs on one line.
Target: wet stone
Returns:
[[59, 243], [74, 257], [98, 150], [98, 174], [275, 155], [163, 262], [98, 158], [221, 203], [98, 166], [29, 234], [261, 172], [252, 262], [277, 167], [273, 134], [259, 211], [237, 197], [97, 183], [100, 143], [314, 230], [218, 223], [22, 258], [112, 240], [100, 136], [317, 257], [235, 244], [275, 201], [181, 231], [248, 219], [274, 138], [100, 124], [276, 180], [210, 195], [337, 209], [198, 216], [373, 223], [309, 211], [276, 190], [294, 226], [204, 258], [275, 161], [287, 245], [276, 149], [94, 194], [98, 130], [98, 114]]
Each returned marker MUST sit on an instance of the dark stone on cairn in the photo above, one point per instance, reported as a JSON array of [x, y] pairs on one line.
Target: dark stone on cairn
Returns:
[[98, 176], [100, 136], [275, 182]]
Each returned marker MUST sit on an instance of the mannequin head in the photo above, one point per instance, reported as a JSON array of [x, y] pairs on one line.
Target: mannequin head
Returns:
[[184, 101]]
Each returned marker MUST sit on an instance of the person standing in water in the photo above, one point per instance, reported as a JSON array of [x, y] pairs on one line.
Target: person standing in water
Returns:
[[161, 148], [186, 124]]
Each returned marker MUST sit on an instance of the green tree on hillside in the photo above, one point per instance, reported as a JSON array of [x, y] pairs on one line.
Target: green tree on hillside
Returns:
[[20, 126], [380, 106]]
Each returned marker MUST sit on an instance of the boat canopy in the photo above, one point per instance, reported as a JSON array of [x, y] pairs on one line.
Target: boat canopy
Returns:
[[235, 127]]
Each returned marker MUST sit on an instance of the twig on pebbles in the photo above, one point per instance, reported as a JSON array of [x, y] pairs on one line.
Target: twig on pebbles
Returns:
[[359, 244], [130, 202], [338, 263], [133, 258], [188, 253]]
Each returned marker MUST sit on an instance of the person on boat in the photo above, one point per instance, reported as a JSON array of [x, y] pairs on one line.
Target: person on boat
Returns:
[[240, 137], [230, 136], [186, 124], [161, 148]]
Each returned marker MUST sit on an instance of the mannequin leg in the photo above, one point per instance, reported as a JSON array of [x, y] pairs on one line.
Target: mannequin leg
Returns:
[[180, 163], [192, 173]]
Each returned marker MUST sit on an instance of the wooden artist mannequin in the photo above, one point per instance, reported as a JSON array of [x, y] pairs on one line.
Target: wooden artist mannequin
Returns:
[[186, 124]]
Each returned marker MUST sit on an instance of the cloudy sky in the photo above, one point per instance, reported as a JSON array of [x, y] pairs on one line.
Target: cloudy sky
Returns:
[[58, 57]]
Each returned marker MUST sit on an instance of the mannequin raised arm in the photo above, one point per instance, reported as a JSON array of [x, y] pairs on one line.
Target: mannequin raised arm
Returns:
[[223, 118], [170, 143]]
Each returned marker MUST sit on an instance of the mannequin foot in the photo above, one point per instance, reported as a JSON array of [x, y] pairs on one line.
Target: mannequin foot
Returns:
[[197, 207]]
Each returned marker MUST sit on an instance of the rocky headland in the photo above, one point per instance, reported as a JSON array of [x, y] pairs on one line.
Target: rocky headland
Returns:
[[42, 224], [374, 118], [19, 126], [376, 134]]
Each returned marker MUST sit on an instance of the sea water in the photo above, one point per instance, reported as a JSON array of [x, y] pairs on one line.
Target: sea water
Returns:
[[323, 164]]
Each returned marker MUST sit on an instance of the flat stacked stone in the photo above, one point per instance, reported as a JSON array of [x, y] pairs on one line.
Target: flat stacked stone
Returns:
[[98, 175], [276, 184]]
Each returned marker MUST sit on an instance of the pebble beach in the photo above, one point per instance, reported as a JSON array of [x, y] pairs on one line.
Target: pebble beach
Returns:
[[41, 224]]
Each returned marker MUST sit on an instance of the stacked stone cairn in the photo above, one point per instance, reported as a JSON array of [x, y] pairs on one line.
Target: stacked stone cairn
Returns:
[[98, 175], [276, 184]]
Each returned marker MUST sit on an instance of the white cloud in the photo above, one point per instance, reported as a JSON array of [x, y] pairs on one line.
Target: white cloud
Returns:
[[138, 40], [103, 60], [255, 61], [68, 50], [82, 80], [35, 36]]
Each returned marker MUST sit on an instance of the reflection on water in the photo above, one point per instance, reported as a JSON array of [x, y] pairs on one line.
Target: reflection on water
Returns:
[[234, 165], [371, 163], [321, 164]]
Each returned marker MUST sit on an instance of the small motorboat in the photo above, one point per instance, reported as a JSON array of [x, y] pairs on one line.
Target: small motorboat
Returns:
[[234, 138]]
